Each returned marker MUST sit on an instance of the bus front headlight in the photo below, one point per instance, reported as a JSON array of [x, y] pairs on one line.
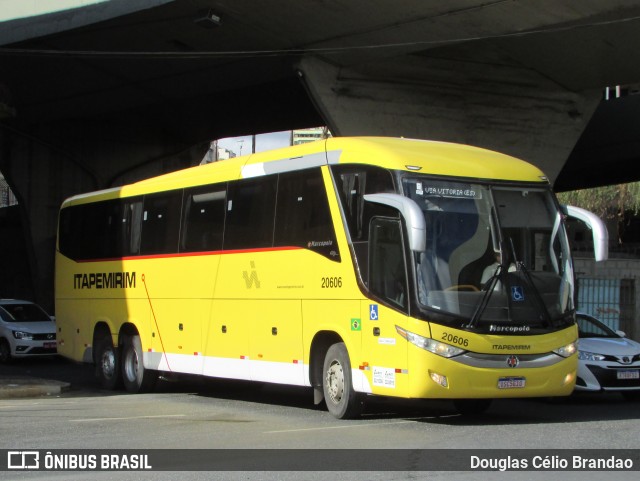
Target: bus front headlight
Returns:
[[568, 350], [431, 345]]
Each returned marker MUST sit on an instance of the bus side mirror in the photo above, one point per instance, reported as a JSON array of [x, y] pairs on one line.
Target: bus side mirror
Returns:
[[411, 213], [598, 230]]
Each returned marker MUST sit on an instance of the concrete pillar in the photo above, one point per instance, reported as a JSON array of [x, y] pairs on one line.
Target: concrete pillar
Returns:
[[493, 105], [44, 166]]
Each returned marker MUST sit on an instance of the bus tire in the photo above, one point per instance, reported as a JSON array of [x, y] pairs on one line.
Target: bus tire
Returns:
[[136, 378], [107, 363], [472, 407], [342, 401]]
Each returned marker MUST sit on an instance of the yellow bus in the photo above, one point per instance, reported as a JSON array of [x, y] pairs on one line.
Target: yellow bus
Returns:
[[354, 266]]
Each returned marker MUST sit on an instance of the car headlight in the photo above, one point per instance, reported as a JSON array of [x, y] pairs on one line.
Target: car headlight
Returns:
[[25, 336], [590, 356], [568, 350], [431, 345]]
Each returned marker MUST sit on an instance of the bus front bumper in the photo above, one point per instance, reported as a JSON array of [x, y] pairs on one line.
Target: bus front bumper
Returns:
[[492, 376]]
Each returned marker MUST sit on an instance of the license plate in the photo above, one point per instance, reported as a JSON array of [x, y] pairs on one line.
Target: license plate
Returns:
[[49, 345], [628, 374], [511, 382]]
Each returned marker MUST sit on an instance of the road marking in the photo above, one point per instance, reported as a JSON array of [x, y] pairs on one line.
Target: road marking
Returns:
[[89, 420], [36, 403], [408, 421]]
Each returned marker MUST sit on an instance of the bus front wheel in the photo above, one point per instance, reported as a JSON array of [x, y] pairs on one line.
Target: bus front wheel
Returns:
[[136, 378], [342, 401], [107, 363]]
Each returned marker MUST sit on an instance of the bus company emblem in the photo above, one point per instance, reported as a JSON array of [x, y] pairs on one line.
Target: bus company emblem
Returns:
[[513, 361], [105, 280], [251, 279]]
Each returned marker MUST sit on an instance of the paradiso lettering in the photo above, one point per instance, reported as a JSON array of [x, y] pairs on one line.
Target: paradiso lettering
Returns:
[[105, 280]]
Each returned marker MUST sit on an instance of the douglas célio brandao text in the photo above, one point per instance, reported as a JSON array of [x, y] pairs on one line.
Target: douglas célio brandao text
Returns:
[[550, 462]]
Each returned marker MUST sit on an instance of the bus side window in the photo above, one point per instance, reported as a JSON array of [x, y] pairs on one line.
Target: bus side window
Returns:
[[109, 224], [130, 226], [203, 218], [161, 223], [303, 218], [387, 268], [352, 183], [73, 223], [250, 213]]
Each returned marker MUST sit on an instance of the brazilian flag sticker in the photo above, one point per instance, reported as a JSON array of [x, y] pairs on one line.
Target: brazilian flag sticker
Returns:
[[356, 325]]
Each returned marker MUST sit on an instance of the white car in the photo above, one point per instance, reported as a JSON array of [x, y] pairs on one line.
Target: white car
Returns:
[[608, 361], [25, 330]]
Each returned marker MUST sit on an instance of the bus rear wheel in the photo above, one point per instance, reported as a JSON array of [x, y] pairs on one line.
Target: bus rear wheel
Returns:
[[136, 378], [107, 363], [342, 401]]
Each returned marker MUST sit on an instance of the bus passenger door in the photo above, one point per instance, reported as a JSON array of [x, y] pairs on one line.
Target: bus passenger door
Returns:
[[385, 352]]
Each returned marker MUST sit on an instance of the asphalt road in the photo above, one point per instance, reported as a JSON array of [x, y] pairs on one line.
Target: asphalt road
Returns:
[[196, 413]]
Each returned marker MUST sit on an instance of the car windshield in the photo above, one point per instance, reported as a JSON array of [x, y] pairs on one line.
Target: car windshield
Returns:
[[495, 255], [23, 313], [590, 327]]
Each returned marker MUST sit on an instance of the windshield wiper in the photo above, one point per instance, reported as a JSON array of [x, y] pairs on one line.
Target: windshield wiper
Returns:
[[521, 267], [536, 294], [490, 286]]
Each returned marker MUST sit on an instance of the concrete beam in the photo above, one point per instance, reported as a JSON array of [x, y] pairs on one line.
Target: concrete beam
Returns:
[[488, 104]]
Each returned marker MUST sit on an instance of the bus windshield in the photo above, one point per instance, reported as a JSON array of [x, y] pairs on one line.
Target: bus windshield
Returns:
[[496, 256]]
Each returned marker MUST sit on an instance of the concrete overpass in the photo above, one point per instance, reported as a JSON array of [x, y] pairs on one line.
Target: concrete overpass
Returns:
[[110, 91]]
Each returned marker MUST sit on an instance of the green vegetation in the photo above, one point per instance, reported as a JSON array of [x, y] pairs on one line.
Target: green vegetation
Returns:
[[609, 202]]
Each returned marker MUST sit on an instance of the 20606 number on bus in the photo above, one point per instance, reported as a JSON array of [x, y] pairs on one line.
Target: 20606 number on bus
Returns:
[[331, 282]]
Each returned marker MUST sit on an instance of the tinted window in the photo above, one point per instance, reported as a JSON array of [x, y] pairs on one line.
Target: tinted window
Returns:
[[387, 271], [303, 218], [203, 219], [250, 213], [101, 230], [130, 226], [161, 223], [23, 313], [353, 182]]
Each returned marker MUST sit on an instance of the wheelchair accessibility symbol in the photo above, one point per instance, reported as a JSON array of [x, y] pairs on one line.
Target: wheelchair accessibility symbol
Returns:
[[373, 312], [517, 293]]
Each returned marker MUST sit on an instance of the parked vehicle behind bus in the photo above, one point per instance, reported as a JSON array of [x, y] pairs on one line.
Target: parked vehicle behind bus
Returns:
[[25, 330], [607, 360], [351, 265]]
